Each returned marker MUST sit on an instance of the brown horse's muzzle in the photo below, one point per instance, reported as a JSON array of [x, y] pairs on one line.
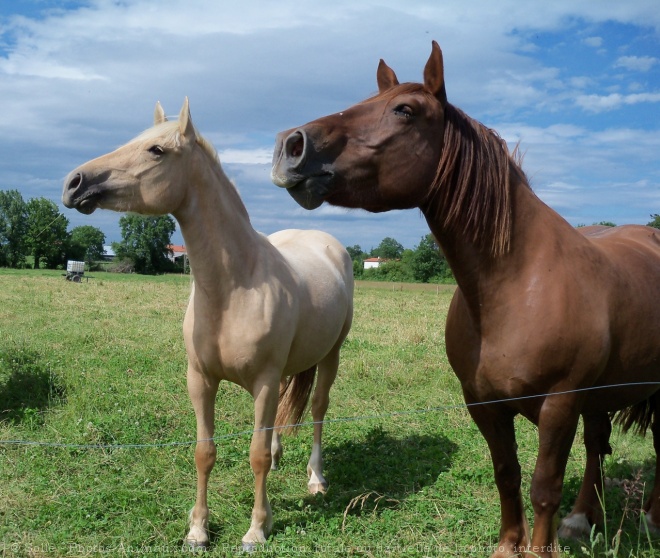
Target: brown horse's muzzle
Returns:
[[300, 168]]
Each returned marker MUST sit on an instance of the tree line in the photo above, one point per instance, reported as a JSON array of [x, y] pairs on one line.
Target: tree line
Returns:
[[423, 264], [34, 233]]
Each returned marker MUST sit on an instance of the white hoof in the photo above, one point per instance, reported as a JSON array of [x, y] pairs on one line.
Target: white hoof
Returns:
[[654, 530], [317, 487], [574, 526]]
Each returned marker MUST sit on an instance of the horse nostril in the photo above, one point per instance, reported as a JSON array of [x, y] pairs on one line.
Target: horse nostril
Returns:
[[294, 146], [74, 182]]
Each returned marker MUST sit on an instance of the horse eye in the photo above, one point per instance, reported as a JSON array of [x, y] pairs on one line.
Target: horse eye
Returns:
[[156, 150], [403, 110]]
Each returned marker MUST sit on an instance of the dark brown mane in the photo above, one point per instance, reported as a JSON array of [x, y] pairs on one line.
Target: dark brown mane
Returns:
[[471, 192]]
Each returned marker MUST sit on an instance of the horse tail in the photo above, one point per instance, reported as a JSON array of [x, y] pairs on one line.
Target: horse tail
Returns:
[[638, 417], [294, 396]]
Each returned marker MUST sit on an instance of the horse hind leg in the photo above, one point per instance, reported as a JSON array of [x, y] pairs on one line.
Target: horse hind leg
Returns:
[[276, 445], [587, 510], [652, 506], [327, 372]]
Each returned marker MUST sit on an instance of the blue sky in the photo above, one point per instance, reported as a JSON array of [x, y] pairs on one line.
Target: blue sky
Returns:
[[577, 83]]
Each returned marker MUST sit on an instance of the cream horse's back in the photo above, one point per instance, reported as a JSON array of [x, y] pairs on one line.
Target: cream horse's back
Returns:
[[267, 313]]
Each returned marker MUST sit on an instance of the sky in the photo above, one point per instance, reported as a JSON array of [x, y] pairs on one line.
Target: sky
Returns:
[[576, 83]]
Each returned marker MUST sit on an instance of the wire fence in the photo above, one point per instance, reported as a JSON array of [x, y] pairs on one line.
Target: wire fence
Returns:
[[381, 416]]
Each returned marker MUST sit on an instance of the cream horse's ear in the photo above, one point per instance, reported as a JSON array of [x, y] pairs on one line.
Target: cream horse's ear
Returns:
[[159, 114], [186, 128]]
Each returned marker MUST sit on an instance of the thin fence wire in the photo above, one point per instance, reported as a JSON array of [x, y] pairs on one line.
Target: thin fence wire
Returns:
[[381, 416]]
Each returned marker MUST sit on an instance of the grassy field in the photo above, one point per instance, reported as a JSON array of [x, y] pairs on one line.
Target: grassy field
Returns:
[[103, 362]]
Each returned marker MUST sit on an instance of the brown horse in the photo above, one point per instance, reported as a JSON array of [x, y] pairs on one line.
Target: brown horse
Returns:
[[540, 308], [264, 312]]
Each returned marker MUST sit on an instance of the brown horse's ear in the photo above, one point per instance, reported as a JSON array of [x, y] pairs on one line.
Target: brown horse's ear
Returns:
[[186, 128], [434, 74], [159, 114], [385, 76]]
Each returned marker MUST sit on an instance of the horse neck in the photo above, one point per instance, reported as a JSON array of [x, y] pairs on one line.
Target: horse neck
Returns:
[[479, 272], [216, 228]]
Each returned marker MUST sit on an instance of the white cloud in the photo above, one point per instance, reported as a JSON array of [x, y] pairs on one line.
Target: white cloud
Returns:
[[261, 156], [600, 103], [595, 42], [76, 84], [636, 63]]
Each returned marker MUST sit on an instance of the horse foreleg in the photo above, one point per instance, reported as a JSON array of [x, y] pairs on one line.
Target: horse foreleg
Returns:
[[558, 420], [266, 395], [652, 505], [327, 372], [202, 393], [588, 510], [496, 425]]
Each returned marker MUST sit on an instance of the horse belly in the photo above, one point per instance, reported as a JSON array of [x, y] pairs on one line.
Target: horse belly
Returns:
[[322, 276]]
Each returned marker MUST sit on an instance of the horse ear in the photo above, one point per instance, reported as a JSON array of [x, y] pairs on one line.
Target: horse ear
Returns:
[[434, 74], [385, 76], [159, 114], [186, 128]]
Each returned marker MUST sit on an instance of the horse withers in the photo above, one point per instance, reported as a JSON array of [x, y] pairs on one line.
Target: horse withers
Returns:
[[544, 317], [265, 312]]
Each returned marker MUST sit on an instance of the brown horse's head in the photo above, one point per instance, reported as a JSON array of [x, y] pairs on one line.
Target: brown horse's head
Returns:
[[380, 154]]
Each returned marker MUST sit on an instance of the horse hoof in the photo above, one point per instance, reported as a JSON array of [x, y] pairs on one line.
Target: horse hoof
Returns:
[[574, 527], [193, 545], [249, 547], [653, 529], [317, 487]]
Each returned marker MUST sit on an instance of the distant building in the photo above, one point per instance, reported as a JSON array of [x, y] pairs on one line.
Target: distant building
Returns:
[[373, 262], [108, 253], [176, 252]]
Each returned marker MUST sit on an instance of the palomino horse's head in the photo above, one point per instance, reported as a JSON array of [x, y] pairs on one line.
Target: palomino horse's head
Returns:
[[380, 154], [147, 175]]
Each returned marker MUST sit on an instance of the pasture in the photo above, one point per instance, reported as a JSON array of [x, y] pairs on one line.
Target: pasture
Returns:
[[103, 363]]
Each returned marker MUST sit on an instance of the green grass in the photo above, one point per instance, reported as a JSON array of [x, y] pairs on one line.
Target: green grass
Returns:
[[103, 362]]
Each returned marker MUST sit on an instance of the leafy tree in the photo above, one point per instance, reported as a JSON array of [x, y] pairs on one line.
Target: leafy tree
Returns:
[[46, 237], [388, 249], [86, 244], [606, 224], [427, 261], [13, 226], [358, 256], [145, 241], [395, 271], [355, 252], [656, 221]]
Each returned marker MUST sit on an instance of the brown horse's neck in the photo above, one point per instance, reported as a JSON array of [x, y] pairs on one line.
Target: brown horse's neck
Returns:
[[480, 207], [216, 228], [479, 271]]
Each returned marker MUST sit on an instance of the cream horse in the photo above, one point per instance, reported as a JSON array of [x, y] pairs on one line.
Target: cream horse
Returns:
[[264, 312]]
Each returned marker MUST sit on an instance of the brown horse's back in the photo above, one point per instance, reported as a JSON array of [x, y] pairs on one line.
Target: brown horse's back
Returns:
[[640, 233], [632, 280]]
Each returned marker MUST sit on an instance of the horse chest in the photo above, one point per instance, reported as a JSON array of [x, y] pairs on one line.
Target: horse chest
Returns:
[[233, 345]]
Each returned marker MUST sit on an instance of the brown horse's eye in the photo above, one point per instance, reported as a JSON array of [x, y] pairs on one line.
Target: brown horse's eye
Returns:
[[156, 150], [404, 111]]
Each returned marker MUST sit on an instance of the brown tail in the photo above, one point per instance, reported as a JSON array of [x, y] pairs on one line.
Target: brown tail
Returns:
[[294, 396], [639, 416]]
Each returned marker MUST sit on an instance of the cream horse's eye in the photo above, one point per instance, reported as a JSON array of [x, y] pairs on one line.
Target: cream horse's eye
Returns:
[[156, 150]]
